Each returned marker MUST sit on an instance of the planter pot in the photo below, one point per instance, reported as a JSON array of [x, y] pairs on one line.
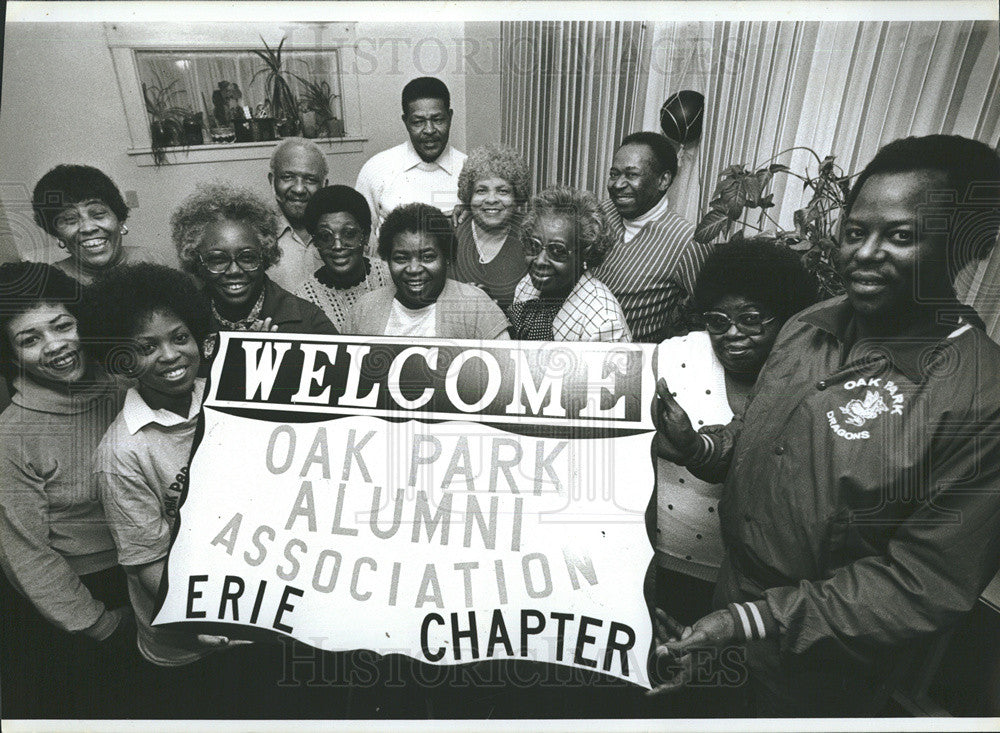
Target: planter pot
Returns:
[[161, 135], [193, 131], [263, 129], [335, 127], [244, 130], [287, 127]]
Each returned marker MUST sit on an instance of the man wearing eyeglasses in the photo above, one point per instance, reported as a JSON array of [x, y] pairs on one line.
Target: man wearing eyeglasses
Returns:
[[861, 508], [654, 260], [298, 171], [425, 168]]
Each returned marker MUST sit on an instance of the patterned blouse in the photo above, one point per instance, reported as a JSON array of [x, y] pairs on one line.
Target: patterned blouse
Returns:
[[337, 302], [589, 313]]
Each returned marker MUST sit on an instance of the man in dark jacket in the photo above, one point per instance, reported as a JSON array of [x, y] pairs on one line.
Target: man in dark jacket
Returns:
[[861, 513]]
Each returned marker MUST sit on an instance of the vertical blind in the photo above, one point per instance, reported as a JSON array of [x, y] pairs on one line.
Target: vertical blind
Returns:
[[569, 93]]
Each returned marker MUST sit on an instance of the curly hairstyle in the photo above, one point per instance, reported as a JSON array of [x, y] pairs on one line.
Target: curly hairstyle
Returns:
[[23, 287], [418, 219], [66, 185], [119, 303], [213, 202], [964, 163], [592, 240], [332, 199], [494, 161], [760, 269]]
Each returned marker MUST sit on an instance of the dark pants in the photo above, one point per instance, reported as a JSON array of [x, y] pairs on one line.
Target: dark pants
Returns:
[[46, 672]]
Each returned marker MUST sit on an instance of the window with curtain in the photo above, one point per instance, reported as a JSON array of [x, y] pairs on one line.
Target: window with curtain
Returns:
[[215, 87], [569, 92]]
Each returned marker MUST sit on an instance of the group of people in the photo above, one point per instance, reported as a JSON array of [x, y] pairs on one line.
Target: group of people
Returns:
[[859, 514]]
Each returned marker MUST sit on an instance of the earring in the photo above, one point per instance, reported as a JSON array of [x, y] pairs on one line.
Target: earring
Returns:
[[62, 244], [124, 230]]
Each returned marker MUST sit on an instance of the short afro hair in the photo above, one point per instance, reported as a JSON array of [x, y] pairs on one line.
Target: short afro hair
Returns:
[[760, 269], [212, 202], [418, 219], [494, 161], [662, 149], [332, 199], [120, 302], [67, 185], [971, 203], [592, 237], [425, 87], [23, 287]]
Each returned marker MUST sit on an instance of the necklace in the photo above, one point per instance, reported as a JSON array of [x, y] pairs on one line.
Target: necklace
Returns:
[[489, 245], [245, 323]]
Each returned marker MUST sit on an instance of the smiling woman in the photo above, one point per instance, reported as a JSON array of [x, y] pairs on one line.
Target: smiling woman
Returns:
[[61, 585], [418, 243], [83, 209], [227, 237]]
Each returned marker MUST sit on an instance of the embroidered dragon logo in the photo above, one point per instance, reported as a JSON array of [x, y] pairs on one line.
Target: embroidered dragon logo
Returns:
[[859, 411]]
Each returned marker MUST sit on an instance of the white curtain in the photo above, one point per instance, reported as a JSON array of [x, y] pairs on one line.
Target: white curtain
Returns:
[[570, 91], [840, 88]]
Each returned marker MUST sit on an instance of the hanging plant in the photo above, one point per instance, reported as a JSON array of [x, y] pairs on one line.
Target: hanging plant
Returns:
[[741, 192]]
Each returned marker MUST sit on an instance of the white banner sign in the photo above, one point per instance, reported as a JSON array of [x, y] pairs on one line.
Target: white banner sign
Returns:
[[453, 501]]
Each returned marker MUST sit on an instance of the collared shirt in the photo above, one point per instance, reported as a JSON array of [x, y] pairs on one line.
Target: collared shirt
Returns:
[[400, 176], [298, 260], [863, 507], [654, 273], [589, 313], [142, 472]]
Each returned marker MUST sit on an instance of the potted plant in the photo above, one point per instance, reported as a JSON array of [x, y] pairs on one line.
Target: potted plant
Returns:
[[316, 104], [740, 192], [166, 121], [280, 99]]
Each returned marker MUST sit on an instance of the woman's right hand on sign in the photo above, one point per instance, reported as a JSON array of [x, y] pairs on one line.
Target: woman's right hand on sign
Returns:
[[675, 439]]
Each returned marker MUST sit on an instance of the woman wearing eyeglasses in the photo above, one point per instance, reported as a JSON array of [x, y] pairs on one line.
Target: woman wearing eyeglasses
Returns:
[[227, 236], [339, 220], [564, 236], [745, 292]]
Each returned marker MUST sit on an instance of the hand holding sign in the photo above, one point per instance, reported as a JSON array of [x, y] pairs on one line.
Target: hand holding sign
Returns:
[[717, 629], [675, 439]]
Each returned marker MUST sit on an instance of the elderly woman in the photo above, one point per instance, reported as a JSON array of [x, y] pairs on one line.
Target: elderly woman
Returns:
[[418, 243], [564, 237], [340, 222], [745, 292], [63, 601], [227, 236], [493, 185], [83, 209]]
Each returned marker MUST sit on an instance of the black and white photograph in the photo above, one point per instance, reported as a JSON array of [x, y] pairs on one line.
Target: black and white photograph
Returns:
[[519, 366]]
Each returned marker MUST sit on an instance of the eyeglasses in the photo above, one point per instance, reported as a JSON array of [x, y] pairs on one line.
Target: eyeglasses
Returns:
[[348, 237], [217, 262], [749, 323], [558, 252]]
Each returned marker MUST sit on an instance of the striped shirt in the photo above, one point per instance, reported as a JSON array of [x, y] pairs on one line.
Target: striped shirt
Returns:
[[653, 275]]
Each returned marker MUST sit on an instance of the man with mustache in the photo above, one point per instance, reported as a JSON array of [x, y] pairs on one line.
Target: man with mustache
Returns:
[[425, 168], [654, 261], [861, 507], [298, 170]]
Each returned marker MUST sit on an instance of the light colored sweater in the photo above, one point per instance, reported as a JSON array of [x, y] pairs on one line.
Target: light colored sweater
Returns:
[[52, 525]]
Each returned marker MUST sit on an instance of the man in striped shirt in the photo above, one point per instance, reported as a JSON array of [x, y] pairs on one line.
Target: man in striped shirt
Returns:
[[654, 261]]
